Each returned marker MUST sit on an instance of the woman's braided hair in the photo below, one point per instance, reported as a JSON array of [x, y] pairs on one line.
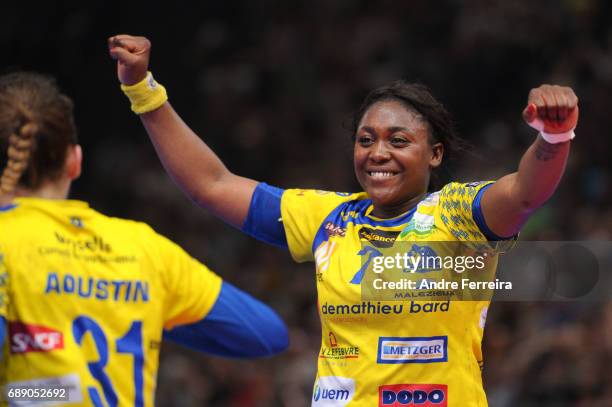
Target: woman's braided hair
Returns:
[[36, 128]]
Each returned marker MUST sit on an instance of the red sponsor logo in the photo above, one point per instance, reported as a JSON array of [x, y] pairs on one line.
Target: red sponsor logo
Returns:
[[34, 338], [421, 395], [333, 230]]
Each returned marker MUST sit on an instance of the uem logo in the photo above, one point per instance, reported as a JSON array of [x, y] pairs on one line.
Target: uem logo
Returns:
[[32, 338], [333, 391], [412, 350], [330, 394], [421, 395]]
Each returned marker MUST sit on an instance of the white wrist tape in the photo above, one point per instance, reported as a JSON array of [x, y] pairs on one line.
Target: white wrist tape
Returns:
[[552, 138], [556, 138]]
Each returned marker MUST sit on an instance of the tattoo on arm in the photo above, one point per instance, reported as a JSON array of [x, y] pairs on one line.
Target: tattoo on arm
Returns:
[[546, 151]]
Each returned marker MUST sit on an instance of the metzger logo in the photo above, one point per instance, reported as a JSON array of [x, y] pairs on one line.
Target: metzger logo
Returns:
[[428, 349], [421, 395], [32, 338], [333, 391]]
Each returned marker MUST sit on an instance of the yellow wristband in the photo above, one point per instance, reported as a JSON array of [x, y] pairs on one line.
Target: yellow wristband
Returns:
[[146, 95]]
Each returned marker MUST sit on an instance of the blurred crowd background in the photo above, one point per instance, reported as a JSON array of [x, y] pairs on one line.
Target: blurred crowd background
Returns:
[[271, 86]]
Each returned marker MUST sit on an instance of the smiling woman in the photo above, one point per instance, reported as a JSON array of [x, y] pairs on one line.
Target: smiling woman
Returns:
[[402, 135]]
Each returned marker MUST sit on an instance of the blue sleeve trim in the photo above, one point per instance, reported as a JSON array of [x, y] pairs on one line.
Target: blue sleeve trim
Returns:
[[2, 332], [8, 207], [238, 326], [263, 221], [480, 220]]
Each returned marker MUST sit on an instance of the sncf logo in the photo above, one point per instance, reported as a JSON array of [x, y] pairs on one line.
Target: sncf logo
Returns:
[[419, 395], [34, 338]]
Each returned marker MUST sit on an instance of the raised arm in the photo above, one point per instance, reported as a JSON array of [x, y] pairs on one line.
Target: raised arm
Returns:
[[507, 204], [189, 161]]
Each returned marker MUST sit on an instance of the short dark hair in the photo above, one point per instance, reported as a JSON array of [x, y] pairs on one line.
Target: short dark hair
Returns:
[[418, 97]]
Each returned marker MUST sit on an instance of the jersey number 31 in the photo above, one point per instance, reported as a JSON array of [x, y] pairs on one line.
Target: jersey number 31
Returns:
[[130, 343]]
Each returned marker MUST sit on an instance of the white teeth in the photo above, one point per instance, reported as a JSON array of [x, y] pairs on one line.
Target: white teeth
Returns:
[[380, 174]]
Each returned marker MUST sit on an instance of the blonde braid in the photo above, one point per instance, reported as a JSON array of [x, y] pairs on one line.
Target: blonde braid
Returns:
[[19, 151], [36, 129]]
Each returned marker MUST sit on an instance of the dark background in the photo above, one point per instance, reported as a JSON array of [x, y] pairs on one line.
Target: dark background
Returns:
[[271, 85]]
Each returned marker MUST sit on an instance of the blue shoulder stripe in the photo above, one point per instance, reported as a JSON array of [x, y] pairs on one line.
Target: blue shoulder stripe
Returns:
[[2, 332], [480, 220], [8, 207]]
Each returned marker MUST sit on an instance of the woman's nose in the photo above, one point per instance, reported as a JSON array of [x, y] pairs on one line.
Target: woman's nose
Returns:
[[380, 152]]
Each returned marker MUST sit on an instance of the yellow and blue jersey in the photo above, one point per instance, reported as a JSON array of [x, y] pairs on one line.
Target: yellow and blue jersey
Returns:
[[382, 353], [87, 299]]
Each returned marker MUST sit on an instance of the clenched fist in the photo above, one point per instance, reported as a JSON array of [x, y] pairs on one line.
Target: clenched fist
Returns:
[[132, 55], [552, 109]]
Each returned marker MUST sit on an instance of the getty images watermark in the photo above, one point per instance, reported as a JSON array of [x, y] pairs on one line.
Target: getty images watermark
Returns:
[[474, 271]]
